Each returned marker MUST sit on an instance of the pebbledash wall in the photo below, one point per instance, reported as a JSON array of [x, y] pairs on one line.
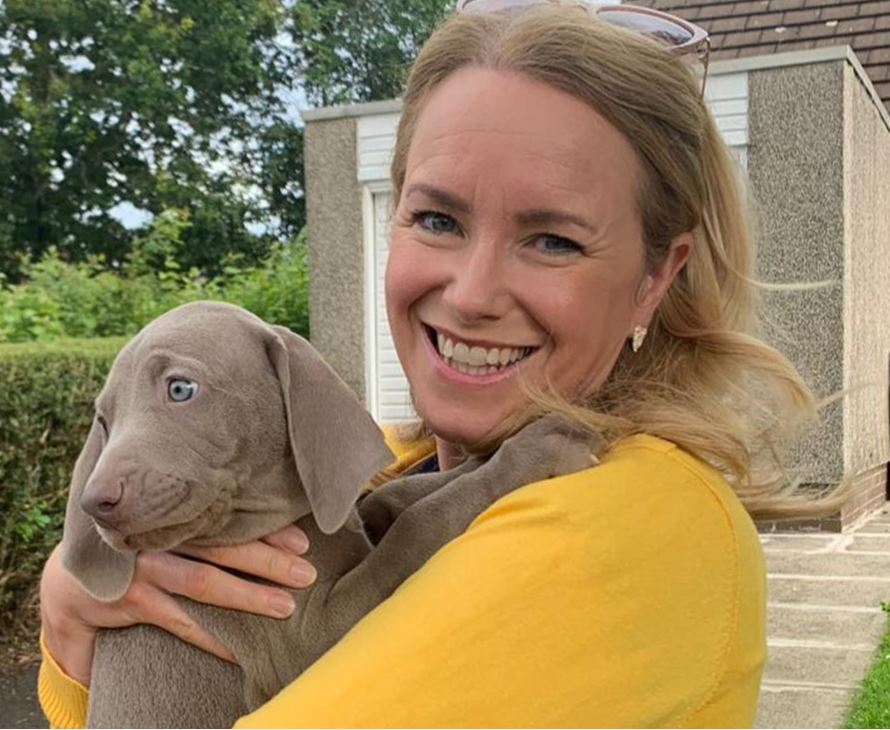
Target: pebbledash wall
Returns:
[[815, 141]]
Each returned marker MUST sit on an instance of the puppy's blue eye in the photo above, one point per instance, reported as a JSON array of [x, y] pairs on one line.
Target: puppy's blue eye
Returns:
[[180, 389]]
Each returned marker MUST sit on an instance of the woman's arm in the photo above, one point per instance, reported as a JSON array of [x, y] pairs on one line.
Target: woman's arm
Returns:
[[630, 594], [70, 617]]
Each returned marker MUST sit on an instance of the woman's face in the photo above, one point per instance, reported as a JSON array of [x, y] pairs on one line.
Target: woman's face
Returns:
[[516, 250]]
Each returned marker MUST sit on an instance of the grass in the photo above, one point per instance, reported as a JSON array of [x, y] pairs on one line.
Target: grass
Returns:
[[871, 706]]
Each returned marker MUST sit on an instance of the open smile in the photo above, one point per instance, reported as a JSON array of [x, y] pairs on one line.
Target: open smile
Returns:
[[480, 361]]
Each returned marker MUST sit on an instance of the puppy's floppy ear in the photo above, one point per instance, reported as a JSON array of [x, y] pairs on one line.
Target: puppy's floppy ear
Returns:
[[335, 442], [101, 570]]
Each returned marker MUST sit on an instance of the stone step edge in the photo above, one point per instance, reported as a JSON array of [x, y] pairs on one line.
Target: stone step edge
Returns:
[[781, 685]]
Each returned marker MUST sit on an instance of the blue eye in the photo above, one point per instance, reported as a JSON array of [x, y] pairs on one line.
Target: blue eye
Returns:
[[548, 243], [180, 389], [437, 223]]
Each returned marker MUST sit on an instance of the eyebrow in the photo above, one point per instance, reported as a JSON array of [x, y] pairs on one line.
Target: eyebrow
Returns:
[[543, 217], [442, 197], [534, 217]]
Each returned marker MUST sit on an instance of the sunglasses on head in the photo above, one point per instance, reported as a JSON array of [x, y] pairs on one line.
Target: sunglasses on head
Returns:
[[682, 37]]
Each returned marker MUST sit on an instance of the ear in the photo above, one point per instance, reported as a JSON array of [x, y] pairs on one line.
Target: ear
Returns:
[[102, 571], [656, 283], [336, 444]]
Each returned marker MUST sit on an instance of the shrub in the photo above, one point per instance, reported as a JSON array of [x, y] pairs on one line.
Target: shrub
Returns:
[[46, 406], [278, 291], [94, 299]]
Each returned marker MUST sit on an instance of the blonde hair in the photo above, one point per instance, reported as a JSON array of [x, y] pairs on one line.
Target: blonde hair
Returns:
[[702, 380]]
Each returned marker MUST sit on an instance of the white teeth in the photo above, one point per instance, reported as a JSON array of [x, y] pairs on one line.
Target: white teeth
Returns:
[[478, 360], [478, 356]]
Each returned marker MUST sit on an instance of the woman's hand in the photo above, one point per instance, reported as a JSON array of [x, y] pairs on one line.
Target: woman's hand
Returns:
[[70, 616]]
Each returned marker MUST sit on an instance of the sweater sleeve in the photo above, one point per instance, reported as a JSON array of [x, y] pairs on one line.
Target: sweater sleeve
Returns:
[[62, 699], [584, 601]]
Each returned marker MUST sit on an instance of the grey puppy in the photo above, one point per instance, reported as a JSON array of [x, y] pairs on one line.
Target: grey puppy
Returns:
[[214, 428]]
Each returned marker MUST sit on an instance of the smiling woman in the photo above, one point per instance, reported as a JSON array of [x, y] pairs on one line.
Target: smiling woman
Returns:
[[568, 236], [517, 230]]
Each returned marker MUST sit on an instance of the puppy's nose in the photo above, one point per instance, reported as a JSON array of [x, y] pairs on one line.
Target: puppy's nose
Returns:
[[101, 500]]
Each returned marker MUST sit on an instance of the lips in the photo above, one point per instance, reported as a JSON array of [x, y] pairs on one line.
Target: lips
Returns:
[[475, 359]]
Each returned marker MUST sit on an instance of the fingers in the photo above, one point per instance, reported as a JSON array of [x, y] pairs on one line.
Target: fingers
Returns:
[[290, 538], [162, 610], [260, 559], [208, 584]]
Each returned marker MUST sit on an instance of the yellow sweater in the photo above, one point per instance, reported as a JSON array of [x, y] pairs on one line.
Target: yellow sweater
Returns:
[[629, 594]]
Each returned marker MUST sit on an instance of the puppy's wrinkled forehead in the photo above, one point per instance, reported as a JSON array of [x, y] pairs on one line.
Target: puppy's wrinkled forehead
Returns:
[[211, 342]]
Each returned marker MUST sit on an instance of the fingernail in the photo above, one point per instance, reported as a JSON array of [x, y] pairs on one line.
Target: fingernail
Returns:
[[303, 574], [298, 543], [282, 605], [229, 657]]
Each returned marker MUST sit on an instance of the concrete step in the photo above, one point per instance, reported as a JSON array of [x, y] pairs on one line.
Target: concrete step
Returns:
[[817, 661], [791, 706], [871, 542], [815, 542], [872, 526], [827, 591], [835, 564], [819, 543], [793, 621]]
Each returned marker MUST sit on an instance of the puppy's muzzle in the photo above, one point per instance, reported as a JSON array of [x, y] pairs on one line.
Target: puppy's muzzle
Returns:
[[102, 500]]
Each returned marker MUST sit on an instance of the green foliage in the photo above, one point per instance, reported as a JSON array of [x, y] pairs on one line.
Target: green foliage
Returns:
[[46, 406], [174, 104], [351, 51], [87, 299], [278, 291], [871, 708], [180, 104]]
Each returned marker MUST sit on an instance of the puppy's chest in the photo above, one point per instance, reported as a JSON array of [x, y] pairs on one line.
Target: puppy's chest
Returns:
[[273, 652]]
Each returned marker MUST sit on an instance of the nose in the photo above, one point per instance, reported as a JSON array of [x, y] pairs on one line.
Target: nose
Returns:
[[102, 499], [477, 289]]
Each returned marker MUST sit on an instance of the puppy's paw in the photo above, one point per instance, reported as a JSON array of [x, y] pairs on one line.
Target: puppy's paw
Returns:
[[551, 446]]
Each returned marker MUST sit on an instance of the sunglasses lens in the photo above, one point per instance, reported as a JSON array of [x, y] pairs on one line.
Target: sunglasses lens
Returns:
[[493, 6], [659, 29]]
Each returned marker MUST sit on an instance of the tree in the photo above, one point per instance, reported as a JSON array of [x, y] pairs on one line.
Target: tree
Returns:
[[178, 105], [359, 50], [159, 103]]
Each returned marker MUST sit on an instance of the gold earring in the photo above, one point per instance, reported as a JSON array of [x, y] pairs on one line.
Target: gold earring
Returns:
[[639, 336]]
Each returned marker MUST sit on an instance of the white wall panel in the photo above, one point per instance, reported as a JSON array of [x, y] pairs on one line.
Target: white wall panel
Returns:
[[391, 400], [375, 137], [727, 97]]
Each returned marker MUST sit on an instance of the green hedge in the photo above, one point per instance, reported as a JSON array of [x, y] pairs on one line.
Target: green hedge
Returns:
[[46, 406], [61, 299]]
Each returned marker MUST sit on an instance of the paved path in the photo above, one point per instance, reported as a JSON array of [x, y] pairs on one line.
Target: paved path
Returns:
[[18, 700], [825, 620]]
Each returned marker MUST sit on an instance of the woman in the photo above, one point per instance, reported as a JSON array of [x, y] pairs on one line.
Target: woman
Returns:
[[568, 234]]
